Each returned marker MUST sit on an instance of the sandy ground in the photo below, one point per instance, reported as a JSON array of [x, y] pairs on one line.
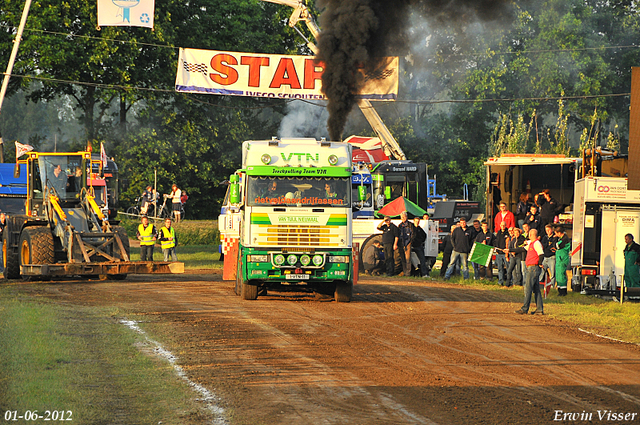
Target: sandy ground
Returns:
[[402, 352]]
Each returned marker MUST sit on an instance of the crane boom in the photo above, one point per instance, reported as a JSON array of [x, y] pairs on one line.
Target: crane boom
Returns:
[[301, 13]]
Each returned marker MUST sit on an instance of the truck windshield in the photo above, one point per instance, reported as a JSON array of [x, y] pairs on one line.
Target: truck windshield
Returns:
[[63, 174], [308, 192]]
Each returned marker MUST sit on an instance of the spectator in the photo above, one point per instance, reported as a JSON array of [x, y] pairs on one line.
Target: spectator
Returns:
[[548, 242], [373, 259], [403, 244], [515, 253], [446, 252], [502, 242], [631, 261], [147, 236], [176, 203], [473, 232], [533, 218], [168, 241], [485, 237], [460, 240], [148, 198], [417, 245], [389, 241], [504, 215], [548, 208], [3, 224], [563, 246], [534, 258], [523, 207]]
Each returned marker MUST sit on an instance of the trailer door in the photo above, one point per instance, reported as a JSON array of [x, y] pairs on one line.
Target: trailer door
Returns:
[[616, 222]]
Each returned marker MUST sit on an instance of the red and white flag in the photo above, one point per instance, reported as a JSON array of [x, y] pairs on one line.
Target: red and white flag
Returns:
[[22, 149], [103, 156]]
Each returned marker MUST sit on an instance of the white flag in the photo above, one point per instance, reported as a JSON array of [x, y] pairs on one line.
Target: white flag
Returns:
[[103, 156], [125, 13], [22, 149]]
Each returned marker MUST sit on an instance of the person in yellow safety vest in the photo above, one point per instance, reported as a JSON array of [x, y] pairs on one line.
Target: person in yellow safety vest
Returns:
[[147, 236], [168, 241]]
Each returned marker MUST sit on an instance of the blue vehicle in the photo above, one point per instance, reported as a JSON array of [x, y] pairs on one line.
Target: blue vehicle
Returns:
[[13, 190]]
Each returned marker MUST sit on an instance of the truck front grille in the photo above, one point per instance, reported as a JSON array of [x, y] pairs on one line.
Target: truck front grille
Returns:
[[296, 235]]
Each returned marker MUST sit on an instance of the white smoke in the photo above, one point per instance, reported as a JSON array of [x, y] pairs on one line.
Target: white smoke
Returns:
[[305, 119]]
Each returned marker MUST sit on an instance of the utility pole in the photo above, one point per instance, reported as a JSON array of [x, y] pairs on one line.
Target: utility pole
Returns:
[[12, 59], [14, 51]]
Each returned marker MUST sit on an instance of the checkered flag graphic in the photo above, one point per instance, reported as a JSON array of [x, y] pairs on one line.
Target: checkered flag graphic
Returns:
[[379, 75], [197, 67]]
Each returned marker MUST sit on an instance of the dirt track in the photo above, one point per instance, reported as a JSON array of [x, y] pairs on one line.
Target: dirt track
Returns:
[[403, 352]]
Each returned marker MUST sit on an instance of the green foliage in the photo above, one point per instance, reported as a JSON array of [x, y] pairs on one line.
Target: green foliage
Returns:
[[510, 137]]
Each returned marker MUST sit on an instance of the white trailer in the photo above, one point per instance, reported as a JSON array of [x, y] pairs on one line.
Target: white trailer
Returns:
[[604, 212]]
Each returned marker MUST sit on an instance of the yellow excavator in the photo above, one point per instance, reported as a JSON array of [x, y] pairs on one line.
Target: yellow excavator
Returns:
[[63, 231]]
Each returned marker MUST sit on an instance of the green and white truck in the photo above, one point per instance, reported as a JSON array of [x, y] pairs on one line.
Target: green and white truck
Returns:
[[288, 212]]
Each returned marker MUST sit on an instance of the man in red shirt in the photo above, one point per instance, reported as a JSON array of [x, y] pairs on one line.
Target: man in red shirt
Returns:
[[504, 215], [535, 257]]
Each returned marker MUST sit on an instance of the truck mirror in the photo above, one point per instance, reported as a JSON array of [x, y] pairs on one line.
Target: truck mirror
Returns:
[[362, 193], [234, 189], [16, 171], [387, 192]]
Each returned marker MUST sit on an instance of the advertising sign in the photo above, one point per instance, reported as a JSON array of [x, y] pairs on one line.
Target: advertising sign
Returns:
[[276, 76]]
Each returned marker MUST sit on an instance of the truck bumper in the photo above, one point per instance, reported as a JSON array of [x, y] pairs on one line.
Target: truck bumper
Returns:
[[119, 268]]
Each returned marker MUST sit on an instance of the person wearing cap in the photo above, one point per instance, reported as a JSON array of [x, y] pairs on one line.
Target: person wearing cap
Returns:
[[460, 239], [389, 239]]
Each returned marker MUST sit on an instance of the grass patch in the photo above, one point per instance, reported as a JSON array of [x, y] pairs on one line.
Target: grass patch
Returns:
[[189, 232], [81, 359], [193, 256], [604, 317]]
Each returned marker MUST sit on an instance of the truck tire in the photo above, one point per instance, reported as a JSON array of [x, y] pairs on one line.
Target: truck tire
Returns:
[[247, 292], [343, 292], [9, 258], [36, 246], [124, 238], [365, 245]]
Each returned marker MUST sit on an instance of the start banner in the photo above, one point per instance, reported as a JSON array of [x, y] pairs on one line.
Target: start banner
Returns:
[[278, 76]]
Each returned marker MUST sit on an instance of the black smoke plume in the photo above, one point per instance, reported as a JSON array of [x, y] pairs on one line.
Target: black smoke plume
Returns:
[[356, 33]]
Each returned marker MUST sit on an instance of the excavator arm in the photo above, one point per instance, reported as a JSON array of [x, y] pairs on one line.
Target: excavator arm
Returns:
[[301, 13]]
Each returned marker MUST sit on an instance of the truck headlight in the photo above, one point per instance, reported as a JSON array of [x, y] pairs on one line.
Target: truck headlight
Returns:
[[305, 260], [278, 260], [317, 260], [257, 258], [292, 259], [338, 258]]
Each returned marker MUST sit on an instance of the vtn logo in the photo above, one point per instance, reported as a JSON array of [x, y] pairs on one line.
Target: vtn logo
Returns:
[[603, 189], [307, 156]]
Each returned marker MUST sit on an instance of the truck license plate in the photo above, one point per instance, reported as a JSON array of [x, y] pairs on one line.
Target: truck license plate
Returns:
[[297, 277]]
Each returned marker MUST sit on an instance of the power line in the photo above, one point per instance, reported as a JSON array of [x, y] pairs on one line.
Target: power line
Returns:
[[408, 101], [146, 89], [536, 51]]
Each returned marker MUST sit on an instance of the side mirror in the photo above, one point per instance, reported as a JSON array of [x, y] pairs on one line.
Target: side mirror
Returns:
[[234, 189], [387, 192], [362, 193]]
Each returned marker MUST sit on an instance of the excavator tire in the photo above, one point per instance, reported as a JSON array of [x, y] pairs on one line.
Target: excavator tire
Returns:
[[122, 234], [9, 259], [36, 246]]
